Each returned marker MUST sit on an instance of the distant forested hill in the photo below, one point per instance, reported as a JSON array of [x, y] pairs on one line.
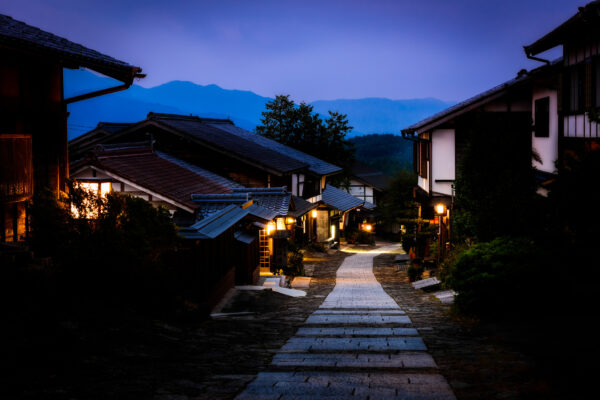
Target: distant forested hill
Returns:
[[384, 152], [367, 115]]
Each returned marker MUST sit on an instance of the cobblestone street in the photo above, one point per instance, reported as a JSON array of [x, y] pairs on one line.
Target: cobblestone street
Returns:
[[360, 344]]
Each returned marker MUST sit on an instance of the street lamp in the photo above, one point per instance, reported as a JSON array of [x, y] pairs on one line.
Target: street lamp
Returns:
[[440, 210]]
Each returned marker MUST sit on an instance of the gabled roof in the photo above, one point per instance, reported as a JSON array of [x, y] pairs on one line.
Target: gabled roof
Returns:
[[478, 100], [301, 207], [26, 38], [96, 135], [213, 226], [148, 170], [201, 171], [581, 24], [223, 136], [337, 198], [370, 176], [315, 165], [212, 132]]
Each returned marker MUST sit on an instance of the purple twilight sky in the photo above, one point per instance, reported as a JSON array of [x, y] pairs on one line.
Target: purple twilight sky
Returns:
[[311, 49]]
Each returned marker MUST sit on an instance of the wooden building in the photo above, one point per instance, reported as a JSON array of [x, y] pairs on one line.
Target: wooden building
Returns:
[[223, 148], [441, 140], [562, 112], [367, 183], [220, 251], [139, 171], [33, 114]]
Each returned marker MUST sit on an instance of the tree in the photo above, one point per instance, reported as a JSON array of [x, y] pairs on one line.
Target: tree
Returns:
[[298, 126]]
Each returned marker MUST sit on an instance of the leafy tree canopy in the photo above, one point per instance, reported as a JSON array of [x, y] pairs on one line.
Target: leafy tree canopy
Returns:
[[299, 127]]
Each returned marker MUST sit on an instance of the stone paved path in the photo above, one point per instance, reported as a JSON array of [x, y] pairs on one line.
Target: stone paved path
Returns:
[[358, 345]]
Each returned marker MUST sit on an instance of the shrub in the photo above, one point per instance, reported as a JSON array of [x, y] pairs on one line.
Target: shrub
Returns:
[[415, 272], [408, 242], [295, 266], [496, 278], [118, 258]]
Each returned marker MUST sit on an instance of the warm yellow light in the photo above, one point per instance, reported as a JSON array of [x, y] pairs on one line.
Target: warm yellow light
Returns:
[[440, 209], [368, 228], [270, 227], [105, 188], [100, 189], [280, 224], [314, 213], [332, 231], [290, 220], [89, 186]]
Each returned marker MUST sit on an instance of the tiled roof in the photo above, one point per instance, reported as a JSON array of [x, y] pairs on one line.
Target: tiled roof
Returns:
[[274, 199], [201, 171], [19, 35], [214, 225], [113, 127], [369, 205], [301, 207], [211, 133], [148, 170], [585, 21], [339, 199], [209, 204], [262, 213], [81, 144], [315, 165], [478, 100]]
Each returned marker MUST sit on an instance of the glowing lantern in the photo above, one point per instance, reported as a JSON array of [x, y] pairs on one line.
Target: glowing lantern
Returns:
[[270, 227], [440, 209], [314, 213]]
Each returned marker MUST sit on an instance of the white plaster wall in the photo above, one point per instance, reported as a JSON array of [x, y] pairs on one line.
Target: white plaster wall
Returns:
[[443, 160], [294, 184], [547, 148], [423, 183]]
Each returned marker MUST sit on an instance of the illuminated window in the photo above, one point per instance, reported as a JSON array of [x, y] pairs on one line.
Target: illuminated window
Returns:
[[270, 227], [280, 224], [95, 189]]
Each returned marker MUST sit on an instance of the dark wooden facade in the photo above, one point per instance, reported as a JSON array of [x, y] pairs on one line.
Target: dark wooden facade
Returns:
[[33, 136], [33, 114]]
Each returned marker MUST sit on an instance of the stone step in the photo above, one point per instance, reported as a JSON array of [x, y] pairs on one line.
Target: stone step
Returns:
[[359, 312], [356, 331], [300, 344], [358, 319], [343, 385], [361, 360]]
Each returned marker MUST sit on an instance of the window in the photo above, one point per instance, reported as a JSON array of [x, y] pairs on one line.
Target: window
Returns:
[[574, 86], [89, 207], [16, 168], [542, 117]]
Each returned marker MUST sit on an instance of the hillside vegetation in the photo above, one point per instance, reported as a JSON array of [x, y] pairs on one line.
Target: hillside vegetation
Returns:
[[387, 152]]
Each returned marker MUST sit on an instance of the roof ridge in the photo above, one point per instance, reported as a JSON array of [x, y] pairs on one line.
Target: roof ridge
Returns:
[[181, 117]]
